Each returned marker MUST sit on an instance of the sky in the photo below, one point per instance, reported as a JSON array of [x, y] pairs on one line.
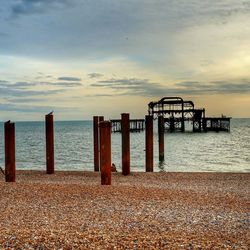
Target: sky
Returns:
[[82, 57]]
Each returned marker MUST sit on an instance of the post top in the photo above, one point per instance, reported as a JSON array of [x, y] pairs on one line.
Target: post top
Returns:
[[50, 113], [105, 124]]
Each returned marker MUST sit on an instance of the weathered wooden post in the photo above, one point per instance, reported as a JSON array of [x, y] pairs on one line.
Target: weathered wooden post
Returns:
[[161, 129], [149, 143], [10, 152], [49, 124], [125, 144], [105, 152]]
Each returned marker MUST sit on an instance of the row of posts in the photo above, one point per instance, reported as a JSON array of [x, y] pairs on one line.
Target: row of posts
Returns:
[[10, 148], [102, 146]]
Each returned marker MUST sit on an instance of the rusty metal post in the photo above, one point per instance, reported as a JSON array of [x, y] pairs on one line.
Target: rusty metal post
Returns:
[[96, 136], [125, 143], [161, 129], [105, 152], [49, 125], [96, 142], [10, 152], [149, 143]]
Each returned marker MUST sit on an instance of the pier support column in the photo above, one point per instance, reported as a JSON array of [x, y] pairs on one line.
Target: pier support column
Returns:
[[125, 144], [49, 124], [10, 152], [149, 143], [105, 152], [161, 129]]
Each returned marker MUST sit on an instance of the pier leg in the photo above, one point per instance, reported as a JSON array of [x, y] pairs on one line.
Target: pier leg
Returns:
[[10, 154], [105, 152], [149, 143], [125, 144], [49, 120], [161, 137]]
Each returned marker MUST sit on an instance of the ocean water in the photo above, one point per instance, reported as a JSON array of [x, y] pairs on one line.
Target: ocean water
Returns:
[[222, 152]]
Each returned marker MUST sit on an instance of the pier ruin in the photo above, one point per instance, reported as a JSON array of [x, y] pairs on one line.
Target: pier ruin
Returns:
[[176, 112]]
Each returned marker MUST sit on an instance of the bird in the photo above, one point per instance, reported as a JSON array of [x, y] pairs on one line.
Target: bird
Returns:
[[51, 113]]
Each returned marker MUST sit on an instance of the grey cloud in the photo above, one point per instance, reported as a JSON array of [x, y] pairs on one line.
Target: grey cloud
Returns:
[[69, 78], [25, 100], [25, 85], [144, 87], [5, 92], [24, 7], [24, 108], [3, 82], [95, 75], [66, 84], [30, 109]]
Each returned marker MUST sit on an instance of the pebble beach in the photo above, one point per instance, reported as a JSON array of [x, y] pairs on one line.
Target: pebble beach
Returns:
[[72, 210]]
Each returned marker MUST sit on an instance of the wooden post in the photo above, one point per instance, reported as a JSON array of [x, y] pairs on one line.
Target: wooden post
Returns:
[[161, 129], [125, 144], [49, 122], [10, 153], [105, 152], [149, 143]]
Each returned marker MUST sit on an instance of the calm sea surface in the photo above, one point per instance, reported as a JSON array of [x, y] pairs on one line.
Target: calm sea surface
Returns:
[[183, 151]]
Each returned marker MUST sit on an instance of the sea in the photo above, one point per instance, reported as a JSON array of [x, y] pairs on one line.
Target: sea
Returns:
[[184, 152]]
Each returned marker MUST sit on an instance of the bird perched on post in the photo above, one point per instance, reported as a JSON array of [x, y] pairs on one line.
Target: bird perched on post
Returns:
[[51, 113]]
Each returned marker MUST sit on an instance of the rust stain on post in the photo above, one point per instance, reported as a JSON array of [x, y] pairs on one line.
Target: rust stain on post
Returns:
[[49, 124], [125, 144], [105, 152], [161, 137], [149, 143], [10, 154]]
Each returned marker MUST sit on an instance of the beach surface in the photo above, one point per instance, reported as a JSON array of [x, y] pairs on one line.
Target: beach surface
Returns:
[[71, 210]]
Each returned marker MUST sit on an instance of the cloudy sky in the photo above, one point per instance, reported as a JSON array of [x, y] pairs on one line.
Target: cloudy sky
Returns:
[[83, 57]]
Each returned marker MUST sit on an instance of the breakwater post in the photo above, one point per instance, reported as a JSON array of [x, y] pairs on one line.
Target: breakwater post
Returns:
[[161, 128], [96, 136], [125, 144], [10, 152], [105, 152], [149, 143], [49, 126]]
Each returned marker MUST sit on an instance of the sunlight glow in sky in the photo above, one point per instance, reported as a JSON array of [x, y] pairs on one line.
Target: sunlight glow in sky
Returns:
[[82, 58]]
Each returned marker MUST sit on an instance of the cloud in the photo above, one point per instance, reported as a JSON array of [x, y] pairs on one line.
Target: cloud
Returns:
[[26, 85], [10, 91], [69, 78], [66, 84], [143, 87], [31, 109], [26, 7], [24, 108], [95, 75]]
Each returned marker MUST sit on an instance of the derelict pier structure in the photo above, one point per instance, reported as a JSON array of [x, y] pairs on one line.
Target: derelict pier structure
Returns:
[[176, 112]]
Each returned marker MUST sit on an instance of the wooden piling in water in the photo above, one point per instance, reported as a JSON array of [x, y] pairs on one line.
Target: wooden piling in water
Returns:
[[149, 143], [105, 152], [49, 125], [125, 144], [161, 129], [10, 154]]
